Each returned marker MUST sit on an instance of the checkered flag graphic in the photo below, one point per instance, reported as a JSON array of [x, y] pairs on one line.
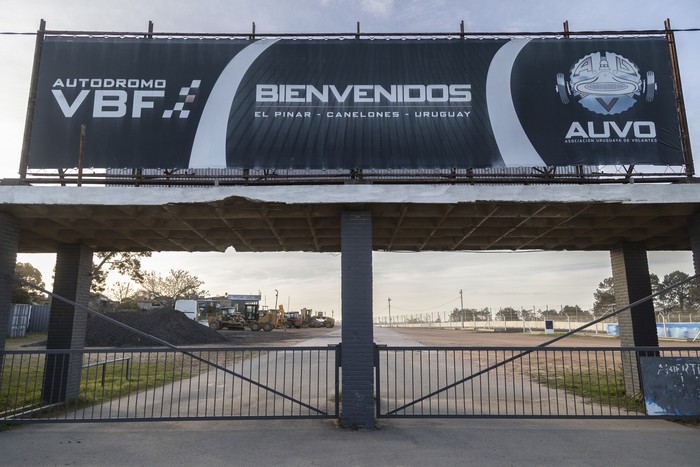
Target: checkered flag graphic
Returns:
[[187, 96]]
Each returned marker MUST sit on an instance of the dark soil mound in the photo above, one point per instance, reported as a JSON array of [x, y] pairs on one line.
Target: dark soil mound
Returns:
[[170, 325]]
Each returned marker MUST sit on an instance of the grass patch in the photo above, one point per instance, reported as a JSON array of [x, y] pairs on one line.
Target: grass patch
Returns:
[[606, 388], [22, 379]]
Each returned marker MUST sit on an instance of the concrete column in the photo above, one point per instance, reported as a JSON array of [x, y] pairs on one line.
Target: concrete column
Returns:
[[9, 242], [357, 358], [637, 326], [67, 324]]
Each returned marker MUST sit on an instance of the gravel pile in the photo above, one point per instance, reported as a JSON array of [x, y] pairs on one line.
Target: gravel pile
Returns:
[[170, 325]]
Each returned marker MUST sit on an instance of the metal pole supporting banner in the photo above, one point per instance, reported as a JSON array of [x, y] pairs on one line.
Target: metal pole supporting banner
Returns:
[[24, 157], [680, 103]]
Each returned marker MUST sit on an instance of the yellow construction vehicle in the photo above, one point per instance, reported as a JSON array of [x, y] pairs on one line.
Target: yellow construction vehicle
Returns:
[[252, 318], [267, 320], [228, 319], [315, 321]]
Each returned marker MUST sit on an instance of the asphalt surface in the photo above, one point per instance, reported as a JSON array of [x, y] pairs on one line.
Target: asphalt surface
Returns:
[[433, 442]]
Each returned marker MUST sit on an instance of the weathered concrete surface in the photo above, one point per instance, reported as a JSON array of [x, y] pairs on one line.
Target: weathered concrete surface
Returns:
[[399, 442]]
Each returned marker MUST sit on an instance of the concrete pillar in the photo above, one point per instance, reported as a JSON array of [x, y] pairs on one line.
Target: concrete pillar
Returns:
[[9, 242], [357, 358], [637, 326], [67, 324]]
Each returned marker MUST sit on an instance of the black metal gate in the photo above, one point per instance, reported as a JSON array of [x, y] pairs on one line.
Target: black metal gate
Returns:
[[560, 382], [184, 384]]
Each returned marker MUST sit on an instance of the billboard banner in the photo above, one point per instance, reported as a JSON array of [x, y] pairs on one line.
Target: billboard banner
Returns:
[[347, 104]]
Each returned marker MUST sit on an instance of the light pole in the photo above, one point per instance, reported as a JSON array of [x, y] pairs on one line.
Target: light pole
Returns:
[[461, 306], [389, 299]]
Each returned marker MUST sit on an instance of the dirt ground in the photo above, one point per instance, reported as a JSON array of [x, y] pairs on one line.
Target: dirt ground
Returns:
[[438, 337], [280, 337], [468, 338], [287, 337]]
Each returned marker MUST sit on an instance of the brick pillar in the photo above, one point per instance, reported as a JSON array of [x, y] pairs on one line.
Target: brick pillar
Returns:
[[67, 324], [9, 242], [694, 234], [357, 333], [637, 326]]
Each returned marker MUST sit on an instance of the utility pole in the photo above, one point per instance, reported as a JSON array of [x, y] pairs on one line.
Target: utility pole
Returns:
[[461, 305], [389, 299]]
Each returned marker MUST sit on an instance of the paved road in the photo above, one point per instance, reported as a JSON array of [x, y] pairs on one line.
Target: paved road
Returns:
[[495, 442]]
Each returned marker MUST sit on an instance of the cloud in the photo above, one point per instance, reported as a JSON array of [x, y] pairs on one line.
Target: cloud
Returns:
[[381, 8]]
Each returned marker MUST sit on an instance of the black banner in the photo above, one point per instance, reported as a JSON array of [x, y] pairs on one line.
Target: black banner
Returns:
[[371, 104]]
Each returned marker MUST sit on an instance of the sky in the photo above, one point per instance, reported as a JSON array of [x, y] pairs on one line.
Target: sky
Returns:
[[415, 282]]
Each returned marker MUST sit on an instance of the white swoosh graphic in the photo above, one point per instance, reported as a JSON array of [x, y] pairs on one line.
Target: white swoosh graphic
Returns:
[[209, 146], [514, 145]]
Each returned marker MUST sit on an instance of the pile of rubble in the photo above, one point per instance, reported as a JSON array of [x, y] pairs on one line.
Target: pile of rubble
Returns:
[[170, 325]]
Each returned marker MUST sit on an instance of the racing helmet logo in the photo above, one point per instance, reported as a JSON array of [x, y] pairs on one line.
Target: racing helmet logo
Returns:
[[605, 83]]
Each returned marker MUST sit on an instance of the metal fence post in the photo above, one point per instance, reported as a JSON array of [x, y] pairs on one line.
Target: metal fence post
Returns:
[[377, 373]]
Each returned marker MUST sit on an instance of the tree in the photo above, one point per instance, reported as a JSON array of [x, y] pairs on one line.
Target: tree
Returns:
[[574, 312], [23, 293], [548, 313], [604, 297], [126, 263], [507, 314], [680, 298], [527, 315], [124, 293], [177, 285], [470, 314]]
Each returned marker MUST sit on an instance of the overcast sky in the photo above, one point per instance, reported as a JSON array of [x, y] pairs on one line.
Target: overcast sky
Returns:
[[416, 283]]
